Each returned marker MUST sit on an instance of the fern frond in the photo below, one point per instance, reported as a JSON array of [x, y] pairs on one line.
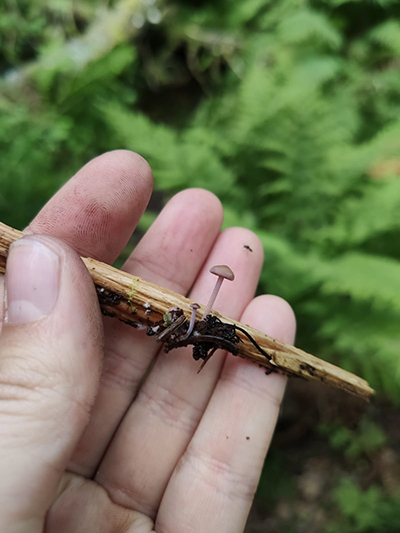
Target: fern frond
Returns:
[[175, 160], [388, 36], [364, 278], [361, 219], [307, 25]]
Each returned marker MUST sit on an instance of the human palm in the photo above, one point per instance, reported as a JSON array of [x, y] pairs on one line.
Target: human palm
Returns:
[[98, 432]]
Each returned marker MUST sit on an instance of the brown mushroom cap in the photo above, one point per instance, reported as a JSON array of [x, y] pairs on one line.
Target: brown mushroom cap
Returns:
[[224, 271], [195, 306]]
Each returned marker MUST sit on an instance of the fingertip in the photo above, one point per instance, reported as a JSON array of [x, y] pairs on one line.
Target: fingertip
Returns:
[[241, 250], [97, 210], [272, 315], [129, 164], [123, 180], [77, 296], [209, 206], [247, 240]]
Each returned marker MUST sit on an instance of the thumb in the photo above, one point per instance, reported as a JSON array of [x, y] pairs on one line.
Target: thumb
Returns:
[[50, 358]]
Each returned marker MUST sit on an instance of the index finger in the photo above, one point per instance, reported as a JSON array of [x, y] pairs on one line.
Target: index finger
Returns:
[[97, 210]]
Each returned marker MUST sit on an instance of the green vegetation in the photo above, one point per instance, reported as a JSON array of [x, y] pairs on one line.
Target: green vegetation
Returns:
[[367, 440], [365, 511], [288, 110]]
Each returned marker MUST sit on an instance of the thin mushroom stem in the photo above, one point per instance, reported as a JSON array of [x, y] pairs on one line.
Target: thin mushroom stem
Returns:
[[192, 320], [213, 296]]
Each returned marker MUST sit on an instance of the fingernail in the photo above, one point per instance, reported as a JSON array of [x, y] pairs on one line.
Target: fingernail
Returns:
[[32, 281]]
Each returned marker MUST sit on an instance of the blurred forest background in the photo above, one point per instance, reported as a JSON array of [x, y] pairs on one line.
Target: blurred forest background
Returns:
[[288, 110]]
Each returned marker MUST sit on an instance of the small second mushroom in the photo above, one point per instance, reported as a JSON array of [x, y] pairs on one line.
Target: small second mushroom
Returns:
[[223, 272], [194, 308]]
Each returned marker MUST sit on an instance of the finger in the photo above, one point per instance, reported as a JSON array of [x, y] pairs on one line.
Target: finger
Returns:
[[50, 359], [97, 210], [171, 255], [161, 421], [214, 482]]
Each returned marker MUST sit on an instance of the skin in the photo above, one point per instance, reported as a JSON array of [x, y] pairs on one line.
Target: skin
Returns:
[[86, 445]]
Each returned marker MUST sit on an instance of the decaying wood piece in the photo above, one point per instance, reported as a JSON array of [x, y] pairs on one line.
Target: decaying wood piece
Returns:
[[143, 305]]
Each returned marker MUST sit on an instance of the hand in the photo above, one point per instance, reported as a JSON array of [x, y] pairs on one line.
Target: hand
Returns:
[[86, 446]]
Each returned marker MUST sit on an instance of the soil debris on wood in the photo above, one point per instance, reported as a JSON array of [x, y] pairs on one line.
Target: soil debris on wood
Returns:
[[207, 336]]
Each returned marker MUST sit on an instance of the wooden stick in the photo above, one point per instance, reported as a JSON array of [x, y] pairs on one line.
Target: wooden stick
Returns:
[[142, 304]]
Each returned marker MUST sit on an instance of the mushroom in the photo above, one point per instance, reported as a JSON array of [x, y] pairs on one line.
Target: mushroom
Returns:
[[194, 307], [223, 272]]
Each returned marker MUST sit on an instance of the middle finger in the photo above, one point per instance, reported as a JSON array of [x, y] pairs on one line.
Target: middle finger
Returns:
[[160, 423]]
